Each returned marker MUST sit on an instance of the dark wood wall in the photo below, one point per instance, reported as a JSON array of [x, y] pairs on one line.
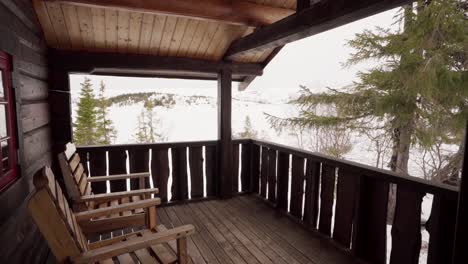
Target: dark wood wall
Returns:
[[21, 37]]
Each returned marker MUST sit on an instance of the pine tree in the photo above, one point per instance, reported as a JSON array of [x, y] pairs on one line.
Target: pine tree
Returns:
[[85, 125], [105, 131]]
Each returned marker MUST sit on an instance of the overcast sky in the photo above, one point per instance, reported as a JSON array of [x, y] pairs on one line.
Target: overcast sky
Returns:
[[314, 61]]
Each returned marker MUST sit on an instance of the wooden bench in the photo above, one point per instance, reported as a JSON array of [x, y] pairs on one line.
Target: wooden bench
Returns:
[[78, 186], [62, 230]]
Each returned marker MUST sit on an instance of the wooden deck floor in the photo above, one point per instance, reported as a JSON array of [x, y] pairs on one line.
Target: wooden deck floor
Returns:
[[246, 230]]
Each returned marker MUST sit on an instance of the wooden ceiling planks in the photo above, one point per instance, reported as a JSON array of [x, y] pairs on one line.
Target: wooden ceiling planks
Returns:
[[83, 28]]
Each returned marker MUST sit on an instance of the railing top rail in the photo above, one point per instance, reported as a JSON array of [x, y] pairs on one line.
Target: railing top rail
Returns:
[[158, 145], [385, 175]]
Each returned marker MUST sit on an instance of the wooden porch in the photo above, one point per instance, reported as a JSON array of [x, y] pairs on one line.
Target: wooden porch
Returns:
[[244, 229], [251, 201]]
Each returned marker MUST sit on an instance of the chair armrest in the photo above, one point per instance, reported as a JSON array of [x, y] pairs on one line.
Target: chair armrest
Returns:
[[86, 215], [116, 195], [118, 177], [120, 248]]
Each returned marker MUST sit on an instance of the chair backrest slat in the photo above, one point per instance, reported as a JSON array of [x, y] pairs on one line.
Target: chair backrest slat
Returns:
[[74, 173], [54, 218]]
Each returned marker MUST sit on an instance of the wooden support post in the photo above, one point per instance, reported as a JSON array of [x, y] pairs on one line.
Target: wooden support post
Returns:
[[461, 231], [224, 133]]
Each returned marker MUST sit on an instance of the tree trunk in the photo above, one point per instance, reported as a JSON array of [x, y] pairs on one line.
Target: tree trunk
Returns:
[[399, 161]]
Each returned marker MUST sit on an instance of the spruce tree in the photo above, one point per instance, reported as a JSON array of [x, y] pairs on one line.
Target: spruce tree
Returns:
[[105, 131], [85, 125], [249, 131], [417, 94], [147, 122]]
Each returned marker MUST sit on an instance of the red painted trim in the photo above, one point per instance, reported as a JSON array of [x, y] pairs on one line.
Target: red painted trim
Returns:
[[12, 174]]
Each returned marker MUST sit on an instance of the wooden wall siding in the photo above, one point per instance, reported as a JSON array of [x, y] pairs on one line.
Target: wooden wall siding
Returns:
[[21, 38], [353, 199]]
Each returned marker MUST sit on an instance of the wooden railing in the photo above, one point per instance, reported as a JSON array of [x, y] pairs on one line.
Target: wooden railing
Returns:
[[168, 162], [348, 203], [343, 200]]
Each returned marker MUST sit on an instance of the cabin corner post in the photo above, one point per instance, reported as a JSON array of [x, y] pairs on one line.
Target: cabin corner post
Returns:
[[461, 230], [60, 108], [225, 147]]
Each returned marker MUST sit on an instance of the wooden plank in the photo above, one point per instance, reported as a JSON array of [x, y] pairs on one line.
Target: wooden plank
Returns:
[[135, 32], [188, 36], [146, 34], [441, 228], [200, 30], [209, 248], [123, 30], [158, 27], [74, 162], [99, 28], [272, 175], [168, 31], [346, 195], [252, 225], [255, 169], [97, 166], [111, 17], [139, 162], [310, 21], [43, 16], [211, 170], [58, 23], [78, 173], [206, 40], [235, 168], [297, 186], [117, 165], [178, 35], [196, 171], [406, 228], [225, 151], [160, 171], [370, 230], [246, 167], [311, 206], [242, 13], [32, 89], [283, 180], [264, 172], [73, 26], [85, 18], [191, 247], [179, 174], [34, 116]]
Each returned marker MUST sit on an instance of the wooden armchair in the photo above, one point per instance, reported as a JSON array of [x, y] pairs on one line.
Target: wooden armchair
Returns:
[[65, 237], [78, 186]]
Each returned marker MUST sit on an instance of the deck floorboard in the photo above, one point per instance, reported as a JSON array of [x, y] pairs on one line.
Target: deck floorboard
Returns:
[[246, 230]]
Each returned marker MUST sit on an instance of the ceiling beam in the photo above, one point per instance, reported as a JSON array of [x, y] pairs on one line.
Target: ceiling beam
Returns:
[[231, 12], [317, 18], [148, 65]]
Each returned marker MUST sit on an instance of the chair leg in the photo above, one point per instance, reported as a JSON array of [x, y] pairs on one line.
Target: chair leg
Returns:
[[182, 255], [151, 217]]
